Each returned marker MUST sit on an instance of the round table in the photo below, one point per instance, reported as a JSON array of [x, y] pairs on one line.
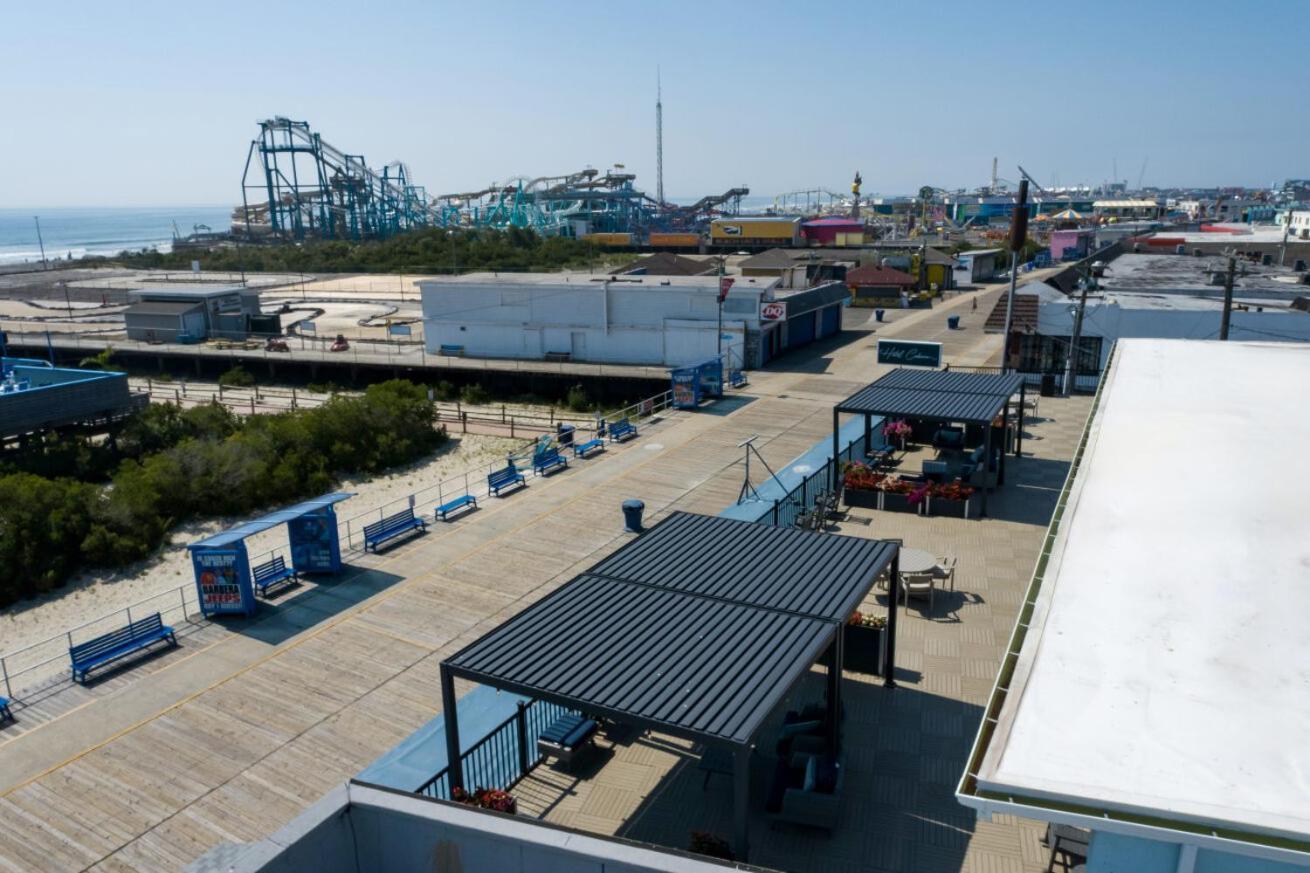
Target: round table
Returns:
[[917, 560]]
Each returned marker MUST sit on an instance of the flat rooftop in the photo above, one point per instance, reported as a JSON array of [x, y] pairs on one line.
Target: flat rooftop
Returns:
[[1189, 274], [1166, 671], [620, 279]]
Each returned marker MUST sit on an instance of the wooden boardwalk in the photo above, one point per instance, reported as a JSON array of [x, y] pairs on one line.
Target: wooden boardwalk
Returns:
[[229, 739]]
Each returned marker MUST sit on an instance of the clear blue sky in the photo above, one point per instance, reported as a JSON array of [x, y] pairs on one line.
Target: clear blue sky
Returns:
[[144, 103]]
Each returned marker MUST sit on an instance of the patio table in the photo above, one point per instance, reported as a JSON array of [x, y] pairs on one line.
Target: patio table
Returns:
[[917, 561]]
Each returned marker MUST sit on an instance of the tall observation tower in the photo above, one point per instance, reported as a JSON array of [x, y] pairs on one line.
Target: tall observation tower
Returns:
[[659, 140]]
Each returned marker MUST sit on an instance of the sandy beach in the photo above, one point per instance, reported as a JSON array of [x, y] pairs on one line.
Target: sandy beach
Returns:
[[91, 595]]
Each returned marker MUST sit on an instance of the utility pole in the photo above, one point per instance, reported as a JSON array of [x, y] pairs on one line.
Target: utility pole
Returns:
[[1228, 296], [40, 242], [1018, 236], [1282, 249], [1071, 368], [659, 140]]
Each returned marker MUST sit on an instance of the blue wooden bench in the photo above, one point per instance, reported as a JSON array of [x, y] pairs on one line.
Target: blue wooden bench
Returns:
[[736, 378], [272, 573], [622, 430], [391, 527], [551, 459], [567, 736], [6, 714], [451, 505], [117, 644], [506, 477], [580, 449]]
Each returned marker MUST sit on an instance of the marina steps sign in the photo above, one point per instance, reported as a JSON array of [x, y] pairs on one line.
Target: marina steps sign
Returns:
[[907, 353]]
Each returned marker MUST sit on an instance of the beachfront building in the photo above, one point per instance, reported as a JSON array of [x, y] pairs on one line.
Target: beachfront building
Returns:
[[623, 319], [1153, 704]]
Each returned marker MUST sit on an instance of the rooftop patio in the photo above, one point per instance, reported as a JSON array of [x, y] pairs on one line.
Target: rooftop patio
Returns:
[[904, 748]]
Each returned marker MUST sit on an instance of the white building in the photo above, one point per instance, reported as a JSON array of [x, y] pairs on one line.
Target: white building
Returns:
[[1157, 296], [1160, 695], [651, 320]]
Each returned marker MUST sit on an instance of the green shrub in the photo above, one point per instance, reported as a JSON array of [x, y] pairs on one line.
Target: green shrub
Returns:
[[101, 361], [445, 391], [474, 394], [577, 399], [237, 377]]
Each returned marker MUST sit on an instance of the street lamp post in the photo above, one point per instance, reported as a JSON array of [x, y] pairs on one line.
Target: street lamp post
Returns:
[[450, 234]]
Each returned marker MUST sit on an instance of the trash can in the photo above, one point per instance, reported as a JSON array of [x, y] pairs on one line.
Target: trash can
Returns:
[[878, 313], [1048, 384], [632, 510], [564, 434], [953, 322]]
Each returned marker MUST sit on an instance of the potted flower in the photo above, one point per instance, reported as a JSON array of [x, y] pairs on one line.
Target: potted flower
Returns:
[[865, 642], [861, 485], [487, 798], [954, 499], [902, 495], [713, 845], [897, 431]]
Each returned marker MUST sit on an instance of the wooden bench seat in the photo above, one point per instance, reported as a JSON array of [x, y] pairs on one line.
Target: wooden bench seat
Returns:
[[450, 506], [580, 449], [391, 527], [274, 572], [117, 644], [506, 477]]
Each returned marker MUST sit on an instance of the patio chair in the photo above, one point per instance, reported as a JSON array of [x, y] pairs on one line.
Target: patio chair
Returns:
[[1069, 843], [918, 585], [945, 571]]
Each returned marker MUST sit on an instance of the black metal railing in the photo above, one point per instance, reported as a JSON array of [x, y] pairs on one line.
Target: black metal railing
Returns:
[[789, 508], [1085, 381], [503, 756]]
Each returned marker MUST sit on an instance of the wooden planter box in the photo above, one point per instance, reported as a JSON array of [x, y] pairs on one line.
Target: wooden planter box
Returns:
[[953, 508], [865, 649], [861, 497], [900, 503]]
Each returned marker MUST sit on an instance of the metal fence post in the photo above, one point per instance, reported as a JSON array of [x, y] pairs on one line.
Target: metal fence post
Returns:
[[181, 591], [521, 723], [129, 615], [4, 668], [775, 513]]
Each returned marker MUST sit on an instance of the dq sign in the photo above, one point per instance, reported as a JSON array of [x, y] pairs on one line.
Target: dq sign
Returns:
[[904, 353], [773, 311]]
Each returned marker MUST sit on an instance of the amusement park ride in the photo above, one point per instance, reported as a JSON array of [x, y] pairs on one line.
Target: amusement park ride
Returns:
[[297, 186]]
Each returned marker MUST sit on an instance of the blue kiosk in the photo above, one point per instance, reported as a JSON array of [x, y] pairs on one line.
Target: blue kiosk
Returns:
[[225, 581], [694, 382]]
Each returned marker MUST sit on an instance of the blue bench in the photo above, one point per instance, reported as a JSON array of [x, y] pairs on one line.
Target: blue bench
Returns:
[[272, 573], [5, 713], [736, 378], [550, 459], [451, 505], [566, 736], [506, 477], [390, 527], [580, 449], [117, 644], [622, 430]]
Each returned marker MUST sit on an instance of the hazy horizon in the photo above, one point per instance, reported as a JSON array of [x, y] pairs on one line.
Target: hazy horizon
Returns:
[[158, 108]]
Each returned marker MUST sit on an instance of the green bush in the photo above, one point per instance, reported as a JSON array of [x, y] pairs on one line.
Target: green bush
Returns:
[[474, 394], [445, 391], [101, 361], [237, 377], [577, 399], [199, 463]]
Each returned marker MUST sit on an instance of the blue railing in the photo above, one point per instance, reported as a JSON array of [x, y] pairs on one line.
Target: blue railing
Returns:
[[503, 756]]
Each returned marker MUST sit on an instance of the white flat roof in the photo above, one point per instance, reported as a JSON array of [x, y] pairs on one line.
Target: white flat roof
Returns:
[[619, 280], [1167, 667]]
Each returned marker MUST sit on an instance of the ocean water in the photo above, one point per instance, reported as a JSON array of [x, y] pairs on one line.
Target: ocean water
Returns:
[[100, 231]]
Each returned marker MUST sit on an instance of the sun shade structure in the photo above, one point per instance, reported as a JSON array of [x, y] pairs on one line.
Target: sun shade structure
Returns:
[[272, 520], [698, 629], [942, 396]]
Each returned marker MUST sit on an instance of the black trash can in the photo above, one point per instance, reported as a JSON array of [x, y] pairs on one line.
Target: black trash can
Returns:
[[1048, 384], [632, 510], [564, 434]]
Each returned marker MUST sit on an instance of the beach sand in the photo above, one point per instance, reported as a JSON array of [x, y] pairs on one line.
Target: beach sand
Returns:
[[94, 594]]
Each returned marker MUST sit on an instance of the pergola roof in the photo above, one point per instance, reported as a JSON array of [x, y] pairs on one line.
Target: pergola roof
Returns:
[[698, 628], [273, 519], [936, 395]]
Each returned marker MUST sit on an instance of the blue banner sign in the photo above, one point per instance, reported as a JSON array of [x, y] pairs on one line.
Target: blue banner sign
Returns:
[[223, 580], [905, 353], [398, 329], [315, 547]]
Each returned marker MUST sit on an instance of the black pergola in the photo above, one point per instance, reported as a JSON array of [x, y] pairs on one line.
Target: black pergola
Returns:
[[699, 628], [943, 396]]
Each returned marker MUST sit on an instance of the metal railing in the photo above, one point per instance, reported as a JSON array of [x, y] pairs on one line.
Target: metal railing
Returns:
[[1085, 381], [503, 756], [788, 509]]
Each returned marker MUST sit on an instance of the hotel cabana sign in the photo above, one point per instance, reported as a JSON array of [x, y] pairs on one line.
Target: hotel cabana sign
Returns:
[[906, 353]]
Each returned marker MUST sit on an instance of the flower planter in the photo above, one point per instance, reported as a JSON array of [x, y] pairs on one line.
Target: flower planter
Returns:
[[952, 508], [892, 502], [861, 497], [865, 649]]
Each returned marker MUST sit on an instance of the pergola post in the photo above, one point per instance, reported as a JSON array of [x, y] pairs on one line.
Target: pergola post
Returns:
[[894, 588], [987, 467], [836, 412], [1018, 443], [741, 796], [868, 433], [835, 667], [450, 713], [1005, 430]]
